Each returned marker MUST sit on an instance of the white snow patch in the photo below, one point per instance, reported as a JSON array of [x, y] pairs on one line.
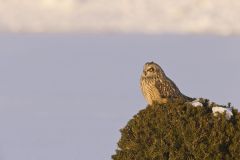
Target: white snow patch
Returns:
[[127, 16], [197, 104], [217, 109]]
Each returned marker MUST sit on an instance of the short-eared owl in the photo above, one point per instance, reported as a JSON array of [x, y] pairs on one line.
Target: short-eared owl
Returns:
[[157, 87]]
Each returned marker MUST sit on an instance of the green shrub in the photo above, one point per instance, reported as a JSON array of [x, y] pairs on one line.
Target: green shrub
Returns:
[[179, 131]]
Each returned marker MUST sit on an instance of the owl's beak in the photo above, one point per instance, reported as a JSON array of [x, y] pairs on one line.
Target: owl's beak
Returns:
[[145, 73]]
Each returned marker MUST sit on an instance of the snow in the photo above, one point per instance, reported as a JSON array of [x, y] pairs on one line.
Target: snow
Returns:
[[215, 110], [197, 104], [147, 16], [218, 109]]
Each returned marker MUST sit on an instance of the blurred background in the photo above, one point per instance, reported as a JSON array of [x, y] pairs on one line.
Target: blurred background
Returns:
[[70, 69]]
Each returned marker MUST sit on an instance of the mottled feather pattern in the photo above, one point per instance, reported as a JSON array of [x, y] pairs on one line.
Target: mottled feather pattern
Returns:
[[150, 91], [157, 87], [167, 88]]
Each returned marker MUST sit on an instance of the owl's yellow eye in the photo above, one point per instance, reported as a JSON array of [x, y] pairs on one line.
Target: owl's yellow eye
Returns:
[[150, 70]]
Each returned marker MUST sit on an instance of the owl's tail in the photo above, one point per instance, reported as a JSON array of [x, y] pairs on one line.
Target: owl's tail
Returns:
[[189, 99]]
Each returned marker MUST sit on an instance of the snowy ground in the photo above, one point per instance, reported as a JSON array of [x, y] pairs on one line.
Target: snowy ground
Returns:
[[147, 16]]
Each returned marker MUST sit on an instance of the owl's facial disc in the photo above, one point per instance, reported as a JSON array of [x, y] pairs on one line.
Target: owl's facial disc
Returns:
[[152, 69], [149, 70]]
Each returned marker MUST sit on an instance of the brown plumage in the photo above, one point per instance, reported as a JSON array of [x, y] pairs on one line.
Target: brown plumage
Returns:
[[157, 87]]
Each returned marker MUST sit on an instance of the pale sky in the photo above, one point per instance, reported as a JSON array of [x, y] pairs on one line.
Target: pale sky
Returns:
[[145, 16], [65, 96]]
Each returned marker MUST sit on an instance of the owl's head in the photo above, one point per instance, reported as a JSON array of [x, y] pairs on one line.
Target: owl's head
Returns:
[[152, 69]]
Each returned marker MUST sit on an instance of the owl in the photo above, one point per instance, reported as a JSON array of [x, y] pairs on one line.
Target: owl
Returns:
[[157, 87]]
